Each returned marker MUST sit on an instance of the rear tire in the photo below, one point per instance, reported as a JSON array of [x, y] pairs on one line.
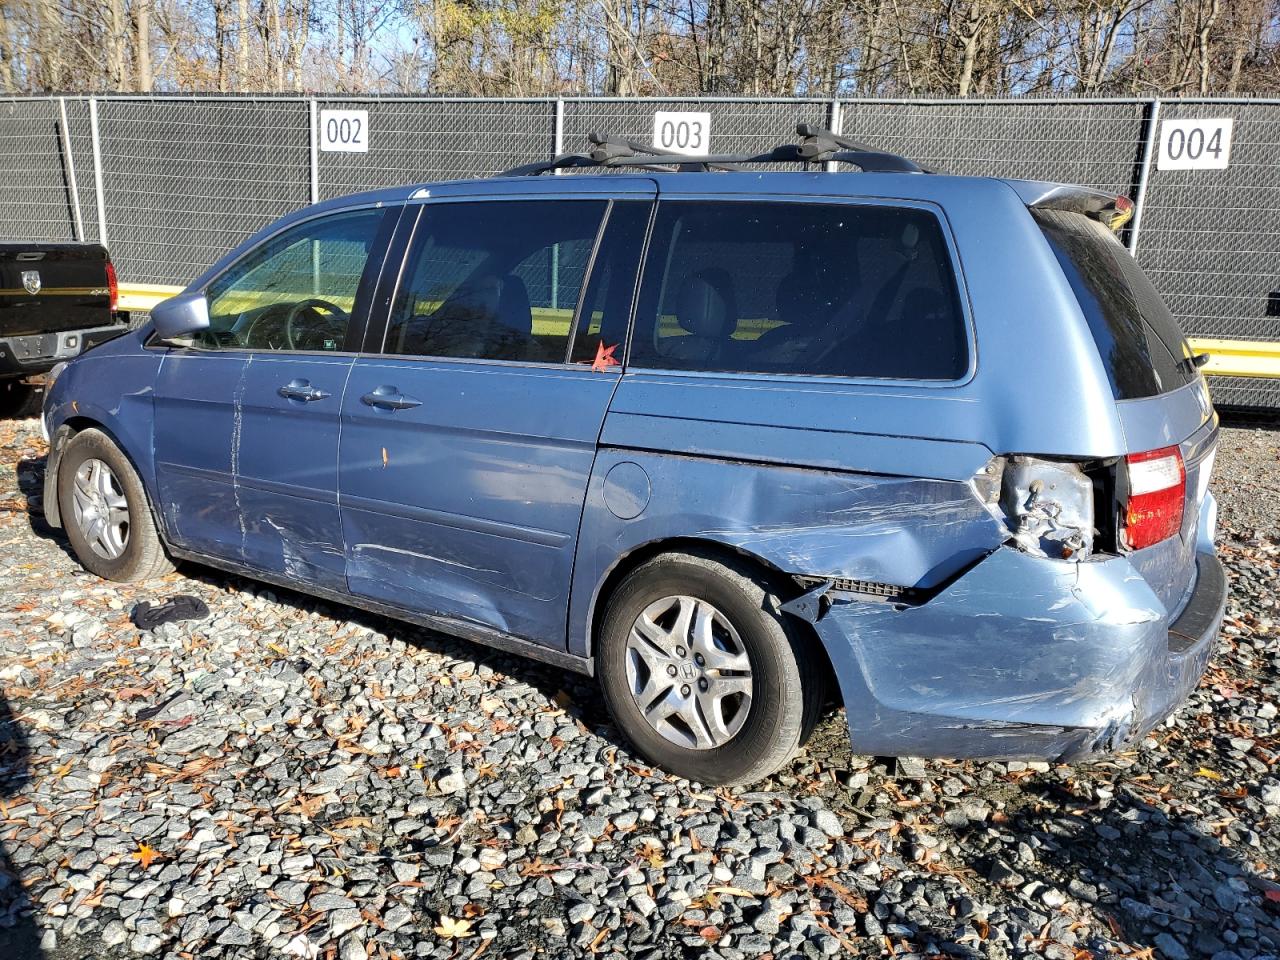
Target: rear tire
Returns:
[[15, 397], [105, 511], [702, 674]]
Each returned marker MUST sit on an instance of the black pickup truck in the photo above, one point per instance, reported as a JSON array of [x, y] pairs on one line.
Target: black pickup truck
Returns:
[[56, 301]]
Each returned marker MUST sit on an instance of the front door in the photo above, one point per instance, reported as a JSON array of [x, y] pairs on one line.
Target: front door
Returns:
[[308, 294], [247, 417], [467, 442]]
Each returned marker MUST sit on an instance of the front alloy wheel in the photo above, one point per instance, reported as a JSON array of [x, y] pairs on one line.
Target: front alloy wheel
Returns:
[[104, 508], [100, 509]]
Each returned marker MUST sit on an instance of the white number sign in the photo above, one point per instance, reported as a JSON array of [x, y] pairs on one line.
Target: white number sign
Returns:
[[1194, 144], [346, 131], [680, 132]]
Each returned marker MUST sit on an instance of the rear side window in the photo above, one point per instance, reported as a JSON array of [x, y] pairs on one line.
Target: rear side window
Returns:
[[1144, 352], [843, 290]]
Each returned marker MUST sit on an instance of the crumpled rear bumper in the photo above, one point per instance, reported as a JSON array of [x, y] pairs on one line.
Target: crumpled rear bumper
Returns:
[[1022, 658]]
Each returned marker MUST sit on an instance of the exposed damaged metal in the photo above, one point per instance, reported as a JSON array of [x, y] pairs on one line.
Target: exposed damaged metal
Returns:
[[1049, 507]]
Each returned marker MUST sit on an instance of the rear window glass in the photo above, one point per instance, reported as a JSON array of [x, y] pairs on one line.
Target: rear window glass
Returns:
[[1143, 350], [800, 288]]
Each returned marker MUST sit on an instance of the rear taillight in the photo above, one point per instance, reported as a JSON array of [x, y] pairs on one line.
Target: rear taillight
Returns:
[[113, 286], [1157, 497]]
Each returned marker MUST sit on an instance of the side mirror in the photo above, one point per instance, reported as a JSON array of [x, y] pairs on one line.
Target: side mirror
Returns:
[[181, 316]]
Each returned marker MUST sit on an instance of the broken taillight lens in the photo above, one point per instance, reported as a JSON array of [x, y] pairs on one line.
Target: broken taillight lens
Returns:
[[113, 286], [1157, 496]]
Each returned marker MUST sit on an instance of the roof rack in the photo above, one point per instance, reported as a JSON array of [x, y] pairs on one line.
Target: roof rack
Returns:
[[817, 145]]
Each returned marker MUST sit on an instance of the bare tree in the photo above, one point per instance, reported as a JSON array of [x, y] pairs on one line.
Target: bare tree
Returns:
[[645, 47]]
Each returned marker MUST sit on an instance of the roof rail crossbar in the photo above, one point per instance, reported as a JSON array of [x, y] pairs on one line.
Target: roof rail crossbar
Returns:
[[818, 138], [817, 145], [562, 162], [877, 161], [820, 143], [609, 151], [870, 161]]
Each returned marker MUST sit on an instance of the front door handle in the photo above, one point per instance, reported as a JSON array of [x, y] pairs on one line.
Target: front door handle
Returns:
[[298, 389], [389, 398]]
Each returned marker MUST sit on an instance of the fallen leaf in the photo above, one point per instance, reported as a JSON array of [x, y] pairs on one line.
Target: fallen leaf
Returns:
[[145, 855], [733, 892], [451, 929], [1206, 772], [653, 853]]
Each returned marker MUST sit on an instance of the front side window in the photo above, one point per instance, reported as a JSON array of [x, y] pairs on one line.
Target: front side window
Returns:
[[297, 290], [495, 280], [848, 290]]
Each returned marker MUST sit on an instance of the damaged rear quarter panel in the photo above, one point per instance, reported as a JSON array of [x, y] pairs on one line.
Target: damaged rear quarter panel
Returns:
[[899, 530]]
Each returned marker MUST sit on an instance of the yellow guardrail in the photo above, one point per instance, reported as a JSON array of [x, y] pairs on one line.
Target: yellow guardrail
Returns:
[[1239, 358], [1227, 358], [141, 297]]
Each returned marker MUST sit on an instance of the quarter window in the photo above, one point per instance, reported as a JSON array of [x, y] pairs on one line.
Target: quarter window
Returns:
[[851, 290], [1142, 349], [297, 291], [495, 280]]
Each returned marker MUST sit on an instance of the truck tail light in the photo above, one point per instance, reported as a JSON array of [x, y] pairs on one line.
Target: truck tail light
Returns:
[[1157, 497], [113, 286]]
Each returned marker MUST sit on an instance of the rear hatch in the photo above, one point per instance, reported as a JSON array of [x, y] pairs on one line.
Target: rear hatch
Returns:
[[53, 287], [1160, 393]]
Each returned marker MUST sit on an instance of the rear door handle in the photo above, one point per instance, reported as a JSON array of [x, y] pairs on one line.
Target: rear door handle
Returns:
[[302, 390], [389, 398]]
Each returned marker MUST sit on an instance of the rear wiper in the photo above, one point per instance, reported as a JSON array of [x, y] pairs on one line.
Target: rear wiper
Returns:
[[1195, 361]]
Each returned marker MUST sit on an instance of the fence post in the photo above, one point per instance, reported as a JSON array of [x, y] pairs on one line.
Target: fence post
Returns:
[[558, 141], [97, 170], [69, 161], [315, 158], [1149, 147], [835, 123]]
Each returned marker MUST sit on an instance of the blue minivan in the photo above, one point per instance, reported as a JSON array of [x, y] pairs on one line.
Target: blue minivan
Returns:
[[737, 441]]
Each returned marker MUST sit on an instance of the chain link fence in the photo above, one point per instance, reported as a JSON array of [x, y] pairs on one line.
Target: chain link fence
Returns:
[[179, 180]]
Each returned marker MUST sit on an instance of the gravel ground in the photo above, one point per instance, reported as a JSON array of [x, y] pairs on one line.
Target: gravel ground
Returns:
[[292, 779]]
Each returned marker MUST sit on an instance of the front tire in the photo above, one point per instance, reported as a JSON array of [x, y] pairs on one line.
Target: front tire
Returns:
[[701, 672], [106, 513]]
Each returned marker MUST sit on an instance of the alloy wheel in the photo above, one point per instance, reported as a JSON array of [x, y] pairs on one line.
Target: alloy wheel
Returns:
[[101, 510], [688, 672]]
